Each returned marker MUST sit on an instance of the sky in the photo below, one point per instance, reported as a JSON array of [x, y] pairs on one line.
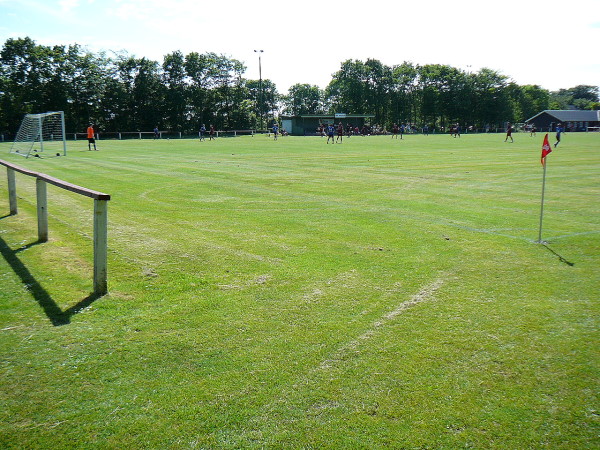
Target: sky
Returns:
[[554, 44]]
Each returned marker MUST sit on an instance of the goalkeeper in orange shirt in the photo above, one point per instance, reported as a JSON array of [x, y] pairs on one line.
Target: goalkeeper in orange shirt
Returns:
[[90, 137]]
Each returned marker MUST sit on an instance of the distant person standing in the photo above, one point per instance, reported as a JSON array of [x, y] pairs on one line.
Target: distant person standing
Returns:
[[91, 137], [349, 130], [509, 132], [395, 130], [156, 133], [275, 130], [211, 133], [532, 131], [202, 132], [559, 130], [330, 131], [340, 132]]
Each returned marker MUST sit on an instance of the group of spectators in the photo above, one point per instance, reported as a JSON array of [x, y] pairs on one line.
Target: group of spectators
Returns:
[[370, 130]]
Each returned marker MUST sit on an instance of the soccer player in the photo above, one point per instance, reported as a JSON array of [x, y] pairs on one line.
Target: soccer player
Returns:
[[509, 133], [330, 131], [395, 130], [559, 130], [202, 131], [156, 133], [211, 133], [90, 137], [275, 130], [340, 132]]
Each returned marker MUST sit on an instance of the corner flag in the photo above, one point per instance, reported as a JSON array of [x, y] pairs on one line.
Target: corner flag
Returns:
[[545, 149]]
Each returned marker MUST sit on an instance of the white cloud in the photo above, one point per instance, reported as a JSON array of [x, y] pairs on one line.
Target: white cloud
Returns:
[[67, 6]]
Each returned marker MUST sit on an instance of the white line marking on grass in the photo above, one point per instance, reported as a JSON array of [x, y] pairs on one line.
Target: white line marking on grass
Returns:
[[583, 233], [426, 293], [491, 231]]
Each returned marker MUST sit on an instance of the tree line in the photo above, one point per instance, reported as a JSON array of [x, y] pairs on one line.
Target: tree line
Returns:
[[123, 93]]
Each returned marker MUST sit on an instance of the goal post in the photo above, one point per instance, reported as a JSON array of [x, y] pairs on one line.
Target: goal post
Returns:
[[41, 133]]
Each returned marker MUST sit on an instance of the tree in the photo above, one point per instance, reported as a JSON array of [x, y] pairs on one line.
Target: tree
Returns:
[[88, 76], [379, 85], [584, 92], [174, 78], [303, 99], [228, 89], [532, 100], [580, 97], [492, 102], [347, 89], [404, 100], [22, 63], [199, 72]]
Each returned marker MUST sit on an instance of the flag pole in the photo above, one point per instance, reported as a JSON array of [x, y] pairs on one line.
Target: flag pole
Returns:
[[546, 149], [539, 241]]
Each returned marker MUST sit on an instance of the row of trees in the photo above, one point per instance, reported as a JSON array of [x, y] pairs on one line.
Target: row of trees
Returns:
[[126, 93], [432, 94], [122, 92]]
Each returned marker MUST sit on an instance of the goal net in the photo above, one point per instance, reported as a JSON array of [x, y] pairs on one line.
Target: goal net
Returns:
[[41, 133]]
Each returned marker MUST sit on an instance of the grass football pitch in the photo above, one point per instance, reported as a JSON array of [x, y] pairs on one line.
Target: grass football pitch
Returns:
[[377, 293]]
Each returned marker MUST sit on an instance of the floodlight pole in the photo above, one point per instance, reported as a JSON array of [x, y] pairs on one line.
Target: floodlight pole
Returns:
[[539, 241], [260, 93]]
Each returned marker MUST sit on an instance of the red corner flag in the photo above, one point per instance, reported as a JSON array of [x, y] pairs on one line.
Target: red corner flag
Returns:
[[545, 149]]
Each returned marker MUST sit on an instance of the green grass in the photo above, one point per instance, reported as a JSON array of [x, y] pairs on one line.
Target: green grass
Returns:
[[373, 294]]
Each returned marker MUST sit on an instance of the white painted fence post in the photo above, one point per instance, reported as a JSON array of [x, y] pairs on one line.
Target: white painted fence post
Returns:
[[12, 191], [42, 209], [100, 246]]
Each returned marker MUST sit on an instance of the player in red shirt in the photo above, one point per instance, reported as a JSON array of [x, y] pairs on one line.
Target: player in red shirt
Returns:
[[340, 132], [509, 130]]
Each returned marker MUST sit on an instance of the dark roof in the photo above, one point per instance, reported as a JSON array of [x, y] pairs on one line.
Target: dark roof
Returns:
[[568, 115]]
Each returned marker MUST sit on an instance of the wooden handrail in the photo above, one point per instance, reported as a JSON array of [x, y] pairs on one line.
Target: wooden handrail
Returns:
[[56, 182], [100, 215]]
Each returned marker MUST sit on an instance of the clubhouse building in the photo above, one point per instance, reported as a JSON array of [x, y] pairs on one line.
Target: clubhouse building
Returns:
[[572, 120]]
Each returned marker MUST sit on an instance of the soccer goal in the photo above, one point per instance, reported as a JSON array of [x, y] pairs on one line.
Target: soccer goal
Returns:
[[41, 133]]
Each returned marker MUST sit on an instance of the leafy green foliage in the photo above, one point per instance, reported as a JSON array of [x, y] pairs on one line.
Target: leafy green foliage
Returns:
[[581, 97]]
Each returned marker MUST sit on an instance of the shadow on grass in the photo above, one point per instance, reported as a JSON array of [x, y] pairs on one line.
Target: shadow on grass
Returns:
[[56, 315], [560, 258]]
